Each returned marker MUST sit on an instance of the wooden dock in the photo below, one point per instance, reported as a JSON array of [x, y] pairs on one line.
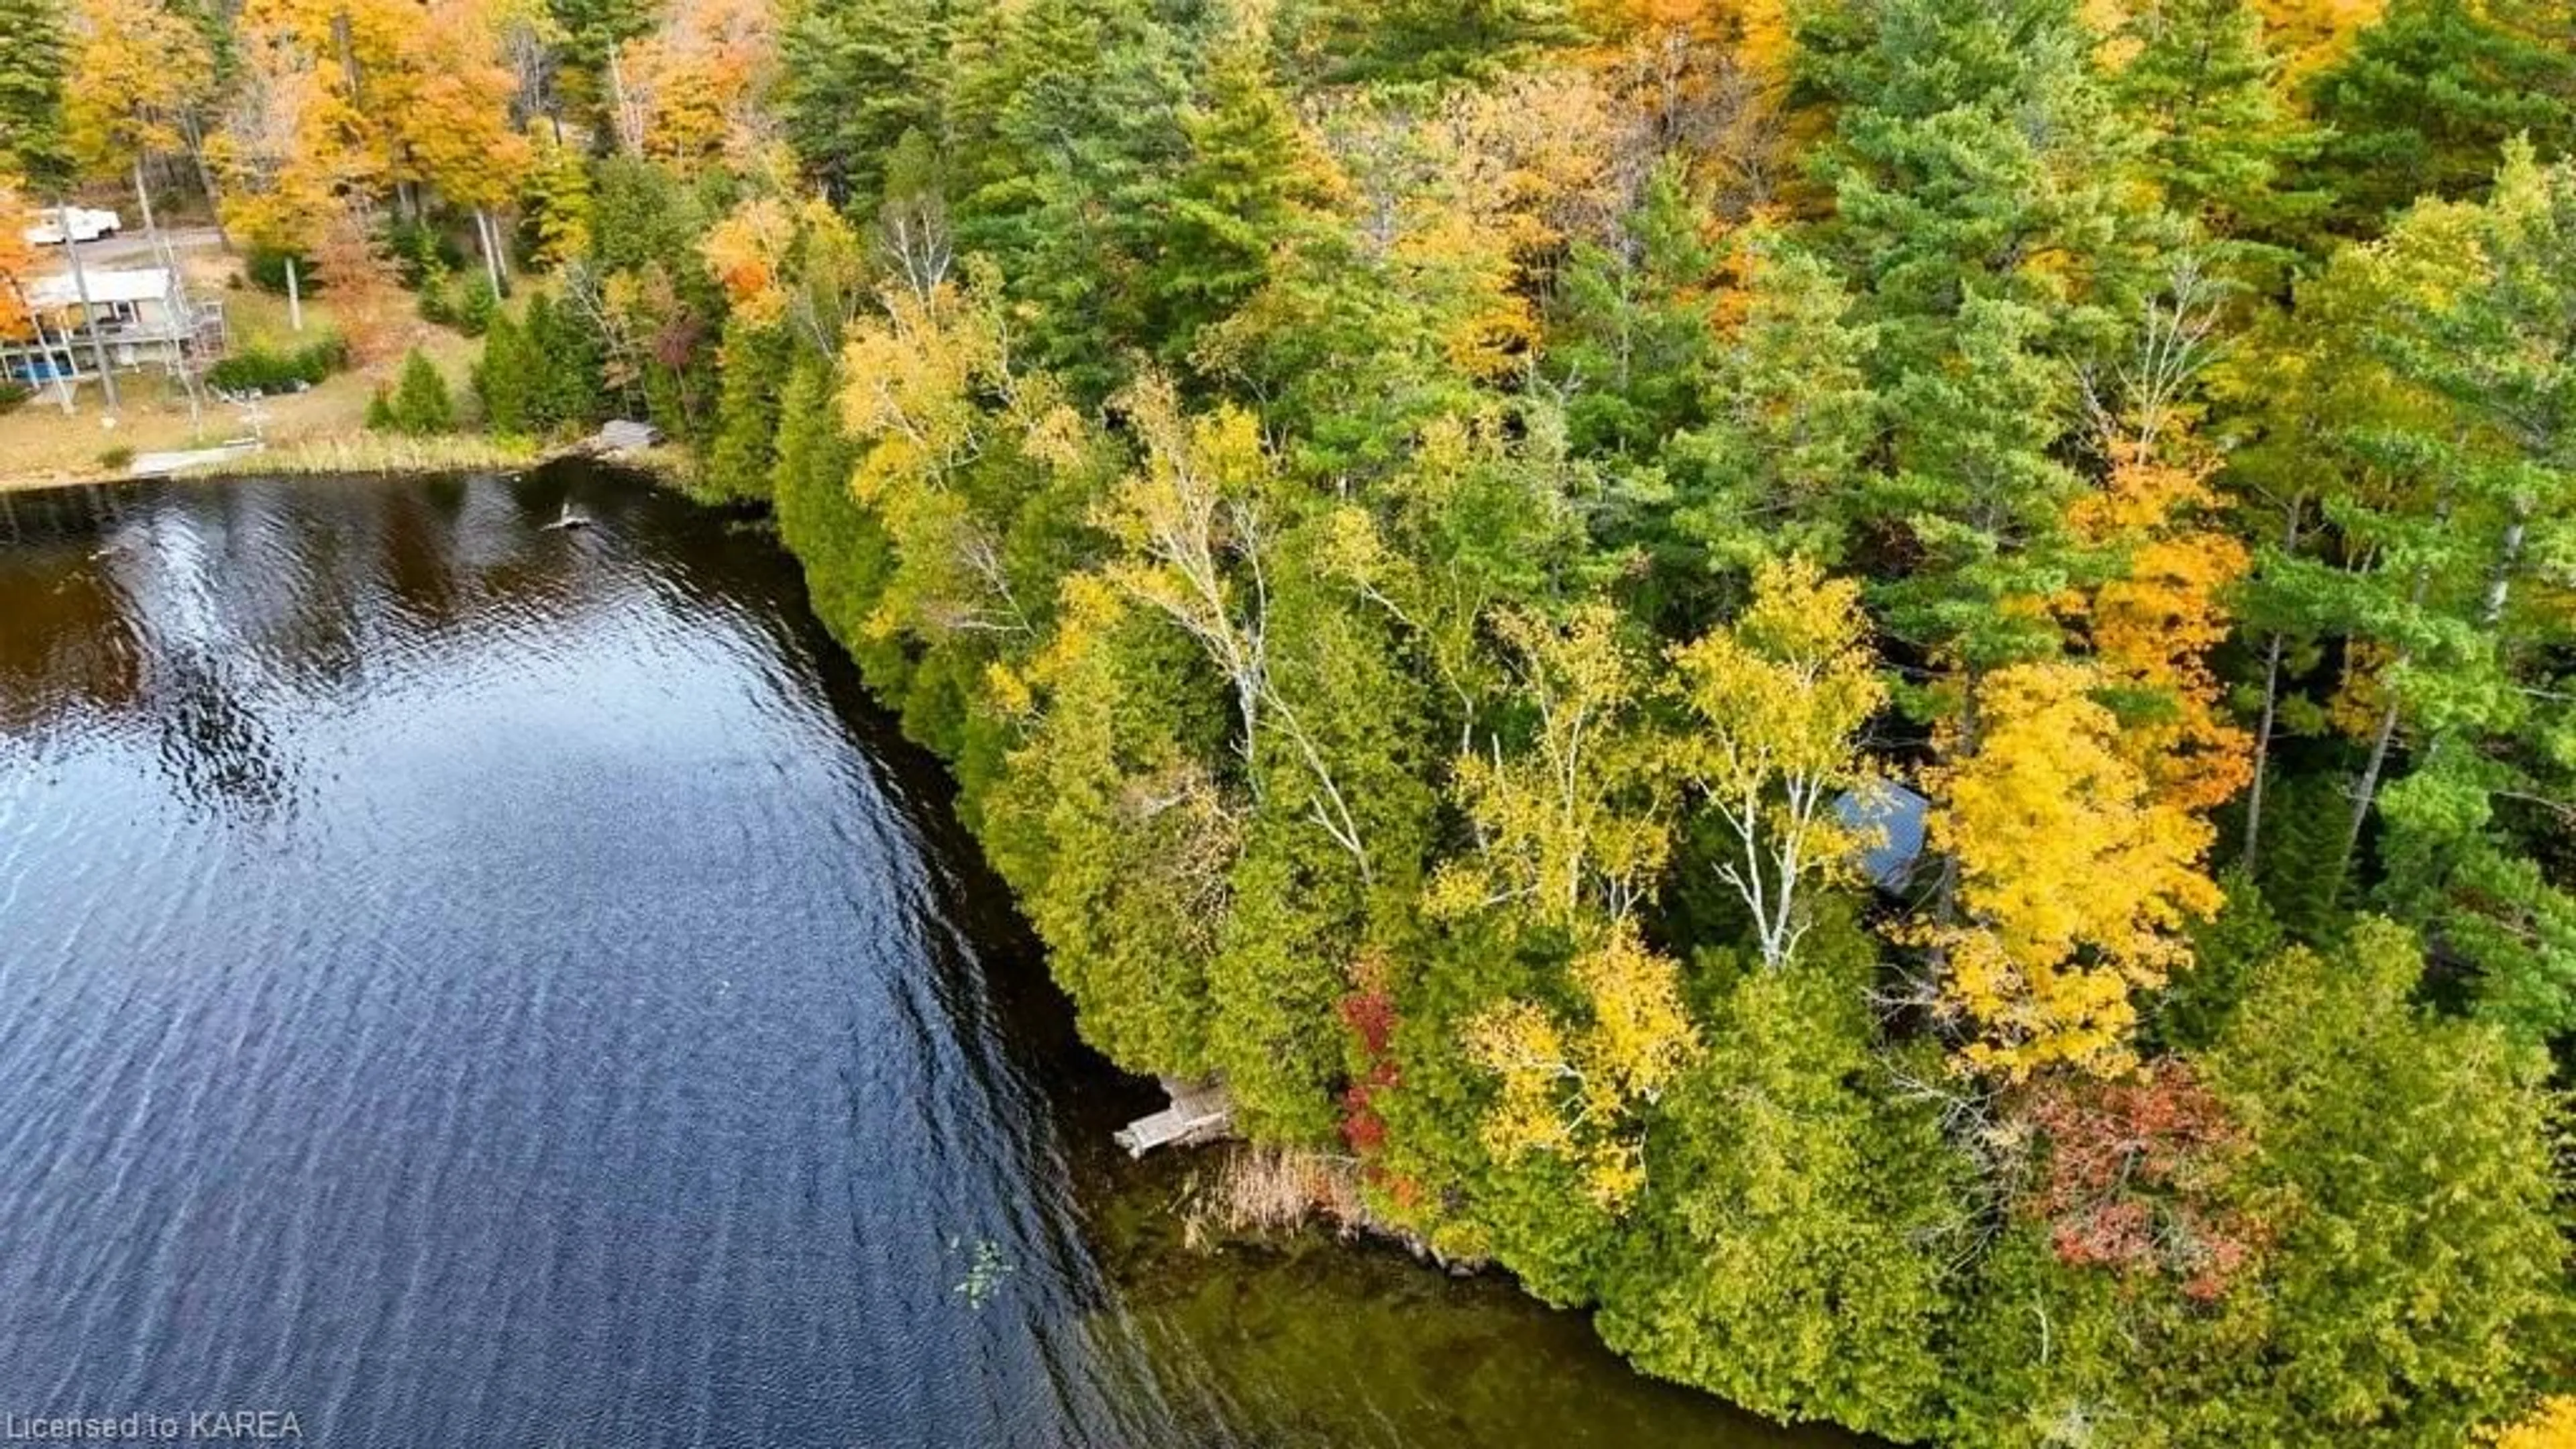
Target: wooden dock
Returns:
[[1199, 1112]]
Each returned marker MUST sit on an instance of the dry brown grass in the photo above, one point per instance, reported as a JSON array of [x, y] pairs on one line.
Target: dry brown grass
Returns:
[[1259, 1190], [384, 453]]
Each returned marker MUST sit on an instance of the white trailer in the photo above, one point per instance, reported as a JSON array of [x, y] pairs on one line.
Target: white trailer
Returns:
[[87, 225]]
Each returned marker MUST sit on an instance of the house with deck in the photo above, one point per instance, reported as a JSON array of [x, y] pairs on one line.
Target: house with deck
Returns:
[[141, 317]]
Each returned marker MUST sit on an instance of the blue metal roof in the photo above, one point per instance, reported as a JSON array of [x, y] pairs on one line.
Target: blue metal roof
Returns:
[[1894, 817]]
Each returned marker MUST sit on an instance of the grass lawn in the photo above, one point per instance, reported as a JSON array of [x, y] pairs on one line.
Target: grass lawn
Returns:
[[40, 443]]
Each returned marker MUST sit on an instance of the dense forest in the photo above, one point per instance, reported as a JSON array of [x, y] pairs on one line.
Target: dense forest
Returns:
[[1453, 549]]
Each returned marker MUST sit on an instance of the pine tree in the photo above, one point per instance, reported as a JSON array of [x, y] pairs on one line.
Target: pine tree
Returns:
[[2204, 86], [1631, 335], [2428, 97], [1975, 157], [33, 58], [1977, 167], [855, 76], [2480, 683], [1795, 416], [1247, 181], [1066, 118], [1429, 40]]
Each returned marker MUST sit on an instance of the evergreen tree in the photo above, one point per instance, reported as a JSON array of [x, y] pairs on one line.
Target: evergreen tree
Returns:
[[1977, 169], [1794, 1263], [505, 377], [2405, 1164], [841, 545], [1428, 40], [2426, 100], [2483, 684], [855, 75], [420, 404], [33, 59], [1066, 118], [2396, 1275], [1795, 417], [1631, 336], [751, 368], [2204, 86], [566, 390], [1246, 183]]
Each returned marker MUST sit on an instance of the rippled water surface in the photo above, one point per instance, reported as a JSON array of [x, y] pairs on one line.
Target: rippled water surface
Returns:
[[469, 984]]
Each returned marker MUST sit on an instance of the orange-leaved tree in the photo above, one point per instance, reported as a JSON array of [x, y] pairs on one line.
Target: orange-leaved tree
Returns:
[[458, 129], [690, 90], [140, 74], [17, 259], [2152, 627]]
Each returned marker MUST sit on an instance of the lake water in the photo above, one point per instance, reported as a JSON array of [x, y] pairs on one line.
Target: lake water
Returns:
[[466, 984]]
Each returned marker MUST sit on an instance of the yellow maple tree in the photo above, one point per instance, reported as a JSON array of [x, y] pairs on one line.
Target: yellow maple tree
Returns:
[[2153, 627], [2552, 1425], [137, 67], [457, 126], [289, 149], [361, 54], [2074, 880], [688, 91]]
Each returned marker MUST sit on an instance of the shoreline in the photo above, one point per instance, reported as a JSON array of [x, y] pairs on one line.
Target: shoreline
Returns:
[[372, 455]]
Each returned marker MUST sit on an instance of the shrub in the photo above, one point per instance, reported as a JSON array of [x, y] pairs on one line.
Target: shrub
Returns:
[[420, 404], [434, 306], [116, 459], [261, 370], [466, 305], [476, 304]]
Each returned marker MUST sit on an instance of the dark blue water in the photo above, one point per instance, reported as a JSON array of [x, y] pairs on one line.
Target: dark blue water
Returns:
[[464, 983]]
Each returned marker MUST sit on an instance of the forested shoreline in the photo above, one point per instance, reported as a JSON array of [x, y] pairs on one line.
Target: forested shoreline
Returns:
[[1440, 539]]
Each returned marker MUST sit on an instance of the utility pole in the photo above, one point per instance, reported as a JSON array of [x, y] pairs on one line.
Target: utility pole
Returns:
[[80, 289], [184, 339]]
